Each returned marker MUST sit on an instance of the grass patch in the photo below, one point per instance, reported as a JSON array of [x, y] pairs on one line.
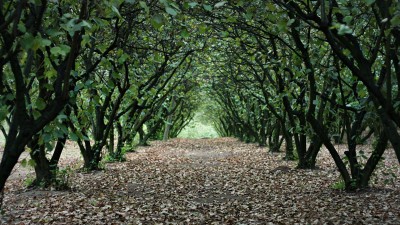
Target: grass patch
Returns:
[[339, 185]]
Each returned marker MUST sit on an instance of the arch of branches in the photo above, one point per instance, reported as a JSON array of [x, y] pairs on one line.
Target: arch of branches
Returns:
[[291, 75]]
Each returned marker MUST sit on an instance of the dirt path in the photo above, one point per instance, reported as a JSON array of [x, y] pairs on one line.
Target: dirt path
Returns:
[[206, 181]]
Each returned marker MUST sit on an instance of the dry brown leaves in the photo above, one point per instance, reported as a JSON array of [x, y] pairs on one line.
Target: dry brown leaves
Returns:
[[207, 181]]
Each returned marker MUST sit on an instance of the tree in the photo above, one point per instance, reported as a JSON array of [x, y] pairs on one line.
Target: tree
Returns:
[[92, 54], [36, 51], [369, 61]]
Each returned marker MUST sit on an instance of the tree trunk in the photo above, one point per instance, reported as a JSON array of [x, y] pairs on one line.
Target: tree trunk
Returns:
[[111, 143], [95, 156], [289, 143], [16, 141], [168, 125], [57, 152], [263, 135], [391, 132], [150, 131], [312, 153], [275, 142], [120, 139], [374, 159], [42, 165], [44, 168], [11, 154], [90, 155], [142, 135]]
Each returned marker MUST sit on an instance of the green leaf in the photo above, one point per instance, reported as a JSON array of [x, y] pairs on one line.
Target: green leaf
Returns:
[[36, 44], [157, 21], [116, 11], [10, 97], [63, 129], [248, 15], [231, 19], [55, 51], [62, 50], [144, 6], [346, 52], [62, 117], [84, 23], [220, 4], [240, 3], [396, 105], [73, 137], [185, 33], [51, 73], [45, 42], [3, 113], [24, 163], [22, 28], [31, 163], [27, 41], [65, 49], [344, 29], [369, 2], [193, 4], [395, 21], [282, 26], [54, 32], [40, 104], [123, 58], [290, 22], [175, 6], [36, 114], [207, 7], [171, 11], [73, 27], [203, 28], [347, 19], [224, 34], [47, 137]]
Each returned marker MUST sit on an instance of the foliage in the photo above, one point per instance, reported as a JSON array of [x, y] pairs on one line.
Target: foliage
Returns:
[[339, 185], [62, 179], [130, 148], [300, 66], [110, 158], [29, 181], [199, 127]]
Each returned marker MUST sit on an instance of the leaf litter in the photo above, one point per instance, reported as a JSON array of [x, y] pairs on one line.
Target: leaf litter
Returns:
[[207, 181]]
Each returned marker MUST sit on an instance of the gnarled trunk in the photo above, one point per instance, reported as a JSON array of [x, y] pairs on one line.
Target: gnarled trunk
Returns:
[[45, 168]]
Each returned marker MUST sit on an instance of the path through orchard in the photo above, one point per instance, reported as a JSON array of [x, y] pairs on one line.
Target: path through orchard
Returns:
[[203, 181]]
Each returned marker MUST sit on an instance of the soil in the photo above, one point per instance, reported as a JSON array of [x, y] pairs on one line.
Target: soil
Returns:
[[206, 181], [70, 156]]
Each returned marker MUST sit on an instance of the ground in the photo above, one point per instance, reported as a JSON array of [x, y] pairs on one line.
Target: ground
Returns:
[[206, 181]]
